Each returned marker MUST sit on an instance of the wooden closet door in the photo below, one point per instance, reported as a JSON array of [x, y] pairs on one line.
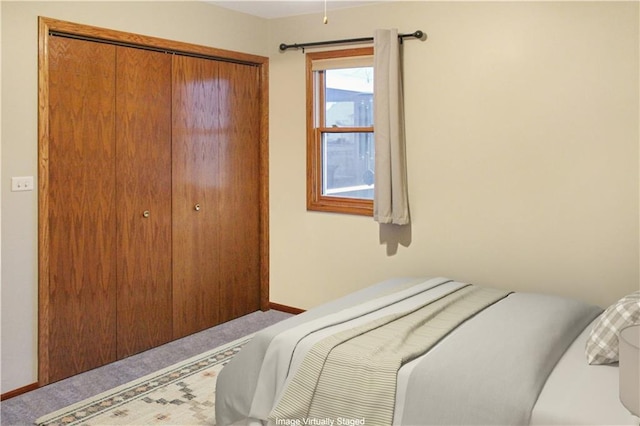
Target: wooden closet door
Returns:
[[239, 185], [81, 299], [196, 187], [143, 187]]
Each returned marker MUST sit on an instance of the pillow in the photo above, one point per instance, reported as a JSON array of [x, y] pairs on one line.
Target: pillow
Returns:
[[602, 345]]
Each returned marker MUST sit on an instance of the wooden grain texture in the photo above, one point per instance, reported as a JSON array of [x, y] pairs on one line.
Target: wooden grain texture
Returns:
[[44, 237], [264, 186], [53, 300], [143, 183], [82, 215], [239, 184], [66, 27], [196, 248]]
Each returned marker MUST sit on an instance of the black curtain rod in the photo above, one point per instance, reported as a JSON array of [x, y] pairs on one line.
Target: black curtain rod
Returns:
[[418, 34]]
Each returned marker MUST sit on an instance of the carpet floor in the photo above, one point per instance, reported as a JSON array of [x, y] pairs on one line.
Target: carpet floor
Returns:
[[181, 395], [23, 410]]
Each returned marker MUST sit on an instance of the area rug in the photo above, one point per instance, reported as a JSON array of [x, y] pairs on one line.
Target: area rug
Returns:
[[182, 394]]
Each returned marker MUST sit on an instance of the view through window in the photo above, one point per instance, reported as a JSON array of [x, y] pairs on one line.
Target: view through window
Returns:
[[341, 146], [348, 156]]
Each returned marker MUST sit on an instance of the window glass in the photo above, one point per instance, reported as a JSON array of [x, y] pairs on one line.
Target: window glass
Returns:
[[348, 161], [340, 131], [349, 97]]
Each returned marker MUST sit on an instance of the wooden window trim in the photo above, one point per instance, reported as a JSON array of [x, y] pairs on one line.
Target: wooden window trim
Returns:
[[316, 201]]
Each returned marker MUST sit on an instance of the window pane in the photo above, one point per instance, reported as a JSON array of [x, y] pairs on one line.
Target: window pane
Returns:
[[340, 158], [349, 97], [348, 163]]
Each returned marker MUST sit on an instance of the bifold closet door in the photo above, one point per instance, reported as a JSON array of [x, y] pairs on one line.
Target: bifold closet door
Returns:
[[216, 192], [143, 188], [150, 193], [196, 229], [81, 291], [109, 195], [239, 184]]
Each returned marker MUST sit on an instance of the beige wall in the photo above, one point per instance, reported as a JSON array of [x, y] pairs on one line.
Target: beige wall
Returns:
[[522, 124], [522, 144], [187, 21]]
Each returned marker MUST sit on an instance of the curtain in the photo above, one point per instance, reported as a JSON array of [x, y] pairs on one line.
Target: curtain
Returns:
[[390, 199]]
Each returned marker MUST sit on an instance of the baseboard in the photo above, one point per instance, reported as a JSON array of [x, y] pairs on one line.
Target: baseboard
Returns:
[[285, 308], [19, 391]]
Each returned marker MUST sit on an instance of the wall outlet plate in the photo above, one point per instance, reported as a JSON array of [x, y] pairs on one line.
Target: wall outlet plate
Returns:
[[22, 183]]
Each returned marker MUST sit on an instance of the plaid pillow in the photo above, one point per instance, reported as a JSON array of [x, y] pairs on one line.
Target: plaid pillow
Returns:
[[602, 345]]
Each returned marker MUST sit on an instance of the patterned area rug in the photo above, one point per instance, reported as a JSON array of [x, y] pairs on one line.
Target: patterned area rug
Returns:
[[183, 394]]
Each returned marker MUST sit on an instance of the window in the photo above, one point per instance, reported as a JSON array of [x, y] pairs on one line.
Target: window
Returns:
[[340, 146]]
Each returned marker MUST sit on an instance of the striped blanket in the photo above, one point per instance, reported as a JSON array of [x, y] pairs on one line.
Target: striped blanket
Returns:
[[370, 356]]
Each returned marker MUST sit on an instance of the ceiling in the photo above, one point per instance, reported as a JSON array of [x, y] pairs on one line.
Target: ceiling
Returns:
[[278, 9]]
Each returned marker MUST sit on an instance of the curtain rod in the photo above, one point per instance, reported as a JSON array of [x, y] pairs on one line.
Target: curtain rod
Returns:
[[418, 34]]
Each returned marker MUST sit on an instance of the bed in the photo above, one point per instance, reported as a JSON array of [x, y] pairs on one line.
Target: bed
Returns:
[[425, 351]]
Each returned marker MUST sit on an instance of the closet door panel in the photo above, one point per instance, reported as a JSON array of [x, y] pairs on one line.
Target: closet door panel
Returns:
[[239, 196], [195, 191], [82, 212], [143, 186]]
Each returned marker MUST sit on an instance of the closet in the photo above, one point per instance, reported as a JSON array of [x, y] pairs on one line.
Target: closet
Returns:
[[152, 193]]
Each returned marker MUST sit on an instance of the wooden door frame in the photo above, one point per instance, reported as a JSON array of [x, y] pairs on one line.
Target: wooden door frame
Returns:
[[47, 26]]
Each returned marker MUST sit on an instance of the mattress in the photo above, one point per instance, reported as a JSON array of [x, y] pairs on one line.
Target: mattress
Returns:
[[577, 393]]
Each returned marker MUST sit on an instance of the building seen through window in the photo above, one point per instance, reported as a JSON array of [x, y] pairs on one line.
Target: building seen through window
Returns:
[[349, 157]]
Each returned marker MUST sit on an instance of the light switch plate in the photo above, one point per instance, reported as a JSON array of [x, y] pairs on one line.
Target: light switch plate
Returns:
[[22, 183]]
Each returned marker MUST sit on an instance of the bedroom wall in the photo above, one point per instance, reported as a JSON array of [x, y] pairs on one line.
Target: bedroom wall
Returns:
[[522, 123], [522, 144], [188, 21]]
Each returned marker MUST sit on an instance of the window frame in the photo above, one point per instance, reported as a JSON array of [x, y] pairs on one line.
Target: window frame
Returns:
[[316, 201]]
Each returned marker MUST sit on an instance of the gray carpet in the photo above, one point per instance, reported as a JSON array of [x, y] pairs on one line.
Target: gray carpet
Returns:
[[25, 409]]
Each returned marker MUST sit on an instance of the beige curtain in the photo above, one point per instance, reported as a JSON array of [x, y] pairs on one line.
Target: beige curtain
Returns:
[[390, 200]]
